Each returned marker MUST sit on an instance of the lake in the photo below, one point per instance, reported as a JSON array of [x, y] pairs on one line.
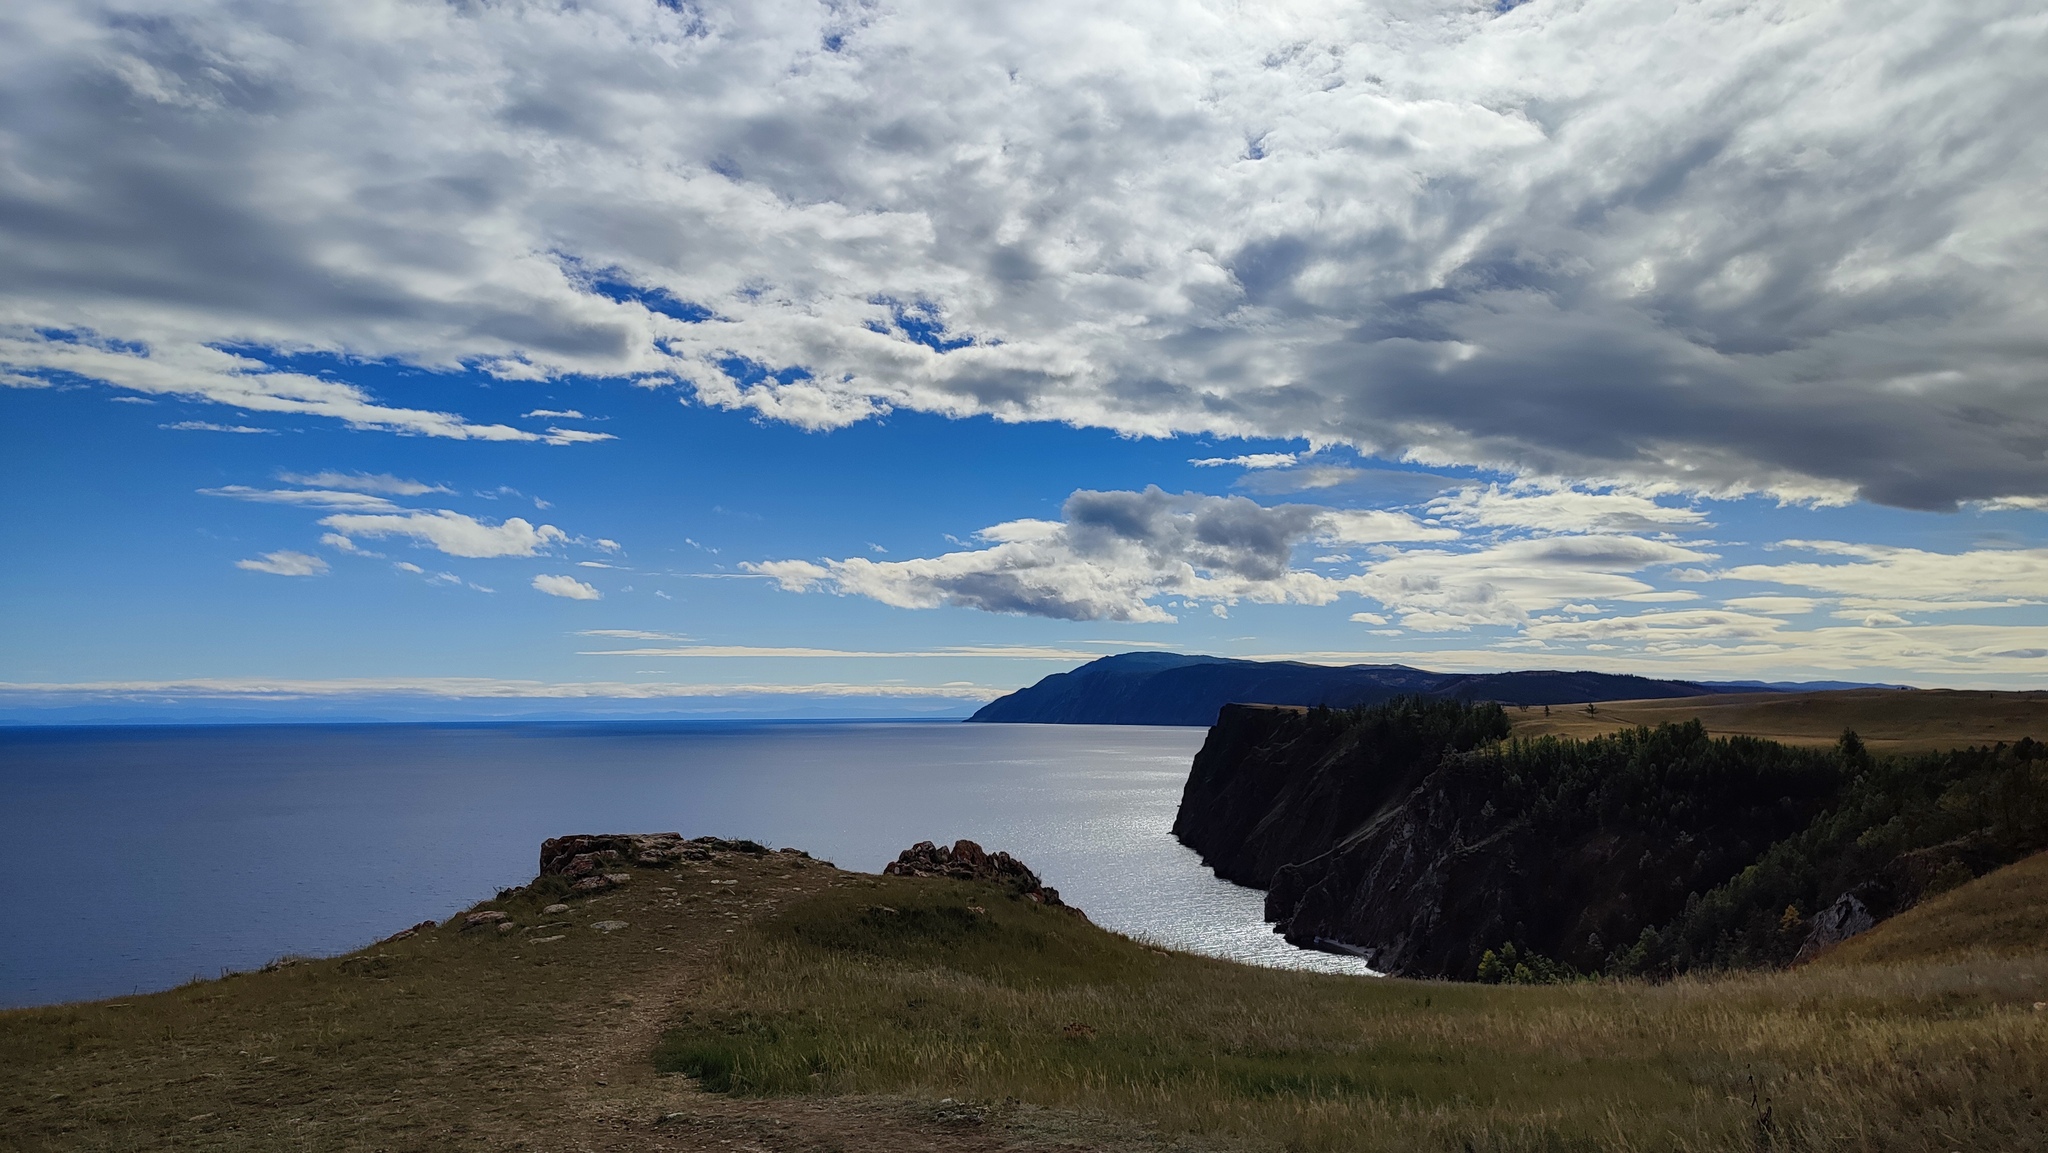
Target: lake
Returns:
[[149, 856]]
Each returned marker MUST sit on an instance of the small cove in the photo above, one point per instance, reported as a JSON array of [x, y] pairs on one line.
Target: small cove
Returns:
[[165, 854]]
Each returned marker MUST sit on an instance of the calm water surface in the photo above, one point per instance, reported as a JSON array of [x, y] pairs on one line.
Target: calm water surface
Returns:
[[144, 857]]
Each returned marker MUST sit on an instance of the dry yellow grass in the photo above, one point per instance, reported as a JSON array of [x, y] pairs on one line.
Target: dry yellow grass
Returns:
[[2000, 914], [1890, 720], [843, 1010]]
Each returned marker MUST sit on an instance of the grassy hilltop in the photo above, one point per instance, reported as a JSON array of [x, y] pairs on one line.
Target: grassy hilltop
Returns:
[[1887, 720], [768, 1002]]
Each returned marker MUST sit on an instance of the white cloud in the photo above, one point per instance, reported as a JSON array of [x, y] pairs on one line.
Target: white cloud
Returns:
[[1884, 578], [1255, 460], [407, 566], [340, 543], [1662, 628], [1304, 479], [452, 532], [558, 413], [1773, 605], [631, 634], [1114, 554], [1556, 510], [1507, 583], [209, 426], [379, 482], [197, 371], [315, 498], [1457, 234], [560, 436], [285, 562], [566, 586]]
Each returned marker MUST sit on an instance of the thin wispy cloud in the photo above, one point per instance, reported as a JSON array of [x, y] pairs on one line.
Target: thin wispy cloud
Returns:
[[481, 688], [380, 483], [312, 498], [452, 532], [1011, 652], [285, 562]]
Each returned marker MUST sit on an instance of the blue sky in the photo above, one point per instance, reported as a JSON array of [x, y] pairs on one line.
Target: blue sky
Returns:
[[631, 357]]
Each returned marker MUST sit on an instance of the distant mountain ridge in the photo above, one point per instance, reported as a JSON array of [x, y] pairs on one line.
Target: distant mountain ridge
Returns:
[[1157, 688]]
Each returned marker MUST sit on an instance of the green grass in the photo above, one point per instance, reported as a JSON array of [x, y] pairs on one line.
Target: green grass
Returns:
[[1020, 1002]]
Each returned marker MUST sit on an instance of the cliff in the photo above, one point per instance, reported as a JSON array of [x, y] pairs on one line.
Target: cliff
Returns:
[[1410, 835], [1147, 688]]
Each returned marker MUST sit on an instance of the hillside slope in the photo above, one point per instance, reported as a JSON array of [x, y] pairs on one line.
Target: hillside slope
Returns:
[[2002, 914], [751, 1001]]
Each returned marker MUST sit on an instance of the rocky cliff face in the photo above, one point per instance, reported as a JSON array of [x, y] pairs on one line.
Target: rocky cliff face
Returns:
[[1402, 835], [1275, 785]]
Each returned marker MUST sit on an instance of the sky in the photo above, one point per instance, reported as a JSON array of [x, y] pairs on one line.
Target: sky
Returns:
[[838, 359]]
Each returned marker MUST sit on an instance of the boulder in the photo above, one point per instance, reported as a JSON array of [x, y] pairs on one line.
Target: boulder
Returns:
[[487, 917]]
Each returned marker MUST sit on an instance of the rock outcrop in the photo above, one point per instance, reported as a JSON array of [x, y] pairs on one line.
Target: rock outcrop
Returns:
[[591, 861], [967, 861], [1844, 919]]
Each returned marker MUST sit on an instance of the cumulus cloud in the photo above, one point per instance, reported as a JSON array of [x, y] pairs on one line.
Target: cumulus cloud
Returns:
[[451, 532], [1452, 234], [285, 562], [566, 586], [1114, 553]]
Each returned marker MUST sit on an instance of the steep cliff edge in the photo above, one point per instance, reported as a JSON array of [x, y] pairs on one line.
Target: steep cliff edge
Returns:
[[1409, 834], [1274, 785]]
